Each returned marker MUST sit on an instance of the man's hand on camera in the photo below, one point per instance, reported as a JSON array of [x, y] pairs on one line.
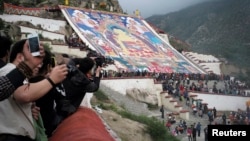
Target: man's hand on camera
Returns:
[[98, 71], [58, 73]]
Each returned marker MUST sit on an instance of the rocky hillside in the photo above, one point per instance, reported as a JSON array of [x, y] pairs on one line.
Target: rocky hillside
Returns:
[[218, 27]]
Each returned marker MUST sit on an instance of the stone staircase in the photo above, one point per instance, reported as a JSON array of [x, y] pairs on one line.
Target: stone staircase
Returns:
[[173, 104], [179, 108], [190, 121]]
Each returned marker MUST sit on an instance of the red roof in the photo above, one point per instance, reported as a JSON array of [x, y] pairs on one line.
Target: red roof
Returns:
[[84, 125]]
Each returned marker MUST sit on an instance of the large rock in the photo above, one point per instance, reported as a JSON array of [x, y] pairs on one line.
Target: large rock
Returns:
[[142, 95]]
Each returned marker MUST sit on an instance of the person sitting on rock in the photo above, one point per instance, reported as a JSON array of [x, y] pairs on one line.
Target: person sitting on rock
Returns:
[[168, 125]]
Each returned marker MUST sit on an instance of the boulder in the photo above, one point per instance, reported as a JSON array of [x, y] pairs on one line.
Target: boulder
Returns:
[[142, 95]]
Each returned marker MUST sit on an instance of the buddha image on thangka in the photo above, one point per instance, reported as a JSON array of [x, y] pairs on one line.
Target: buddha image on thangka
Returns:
[[127, 38], [118, 36]]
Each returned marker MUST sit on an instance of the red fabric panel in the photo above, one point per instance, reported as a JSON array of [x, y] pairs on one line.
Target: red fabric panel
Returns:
[[84, 125]]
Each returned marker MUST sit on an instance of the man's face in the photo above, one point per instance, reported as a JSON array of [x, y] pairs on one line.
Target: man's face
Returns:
[[36, 70], [90, 73]]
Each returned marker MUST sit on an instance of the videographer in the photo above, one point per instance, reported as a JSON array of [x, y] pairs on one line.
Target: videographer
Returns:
[[83, 76]]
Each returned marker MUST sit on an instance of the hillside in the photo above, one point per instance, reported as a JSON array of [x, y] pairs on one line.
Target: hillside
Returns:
[[219, 27]]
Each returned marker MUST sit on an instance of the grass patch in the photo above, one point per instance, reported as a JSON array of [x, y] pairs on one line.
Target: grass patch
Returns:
[[152, 107], [101, 96], [155, 128]]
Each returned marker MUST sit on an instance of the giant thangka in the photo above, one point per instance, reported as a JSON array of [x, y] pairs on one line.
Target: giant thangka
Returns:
[[130, 41]]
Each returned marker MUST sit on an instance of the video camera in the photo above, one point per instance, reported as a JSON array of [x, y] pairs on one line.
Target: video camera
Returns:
[[99, 59]]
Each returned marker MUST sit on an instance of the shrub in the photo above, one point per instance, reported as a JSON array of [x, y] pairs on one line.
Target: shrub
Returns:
[[155, 128], [101, 96], [152, 107]]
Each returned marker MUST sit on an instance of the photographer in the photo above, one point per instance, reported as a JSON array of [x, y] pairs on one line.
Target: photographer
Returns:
[[83, 76]]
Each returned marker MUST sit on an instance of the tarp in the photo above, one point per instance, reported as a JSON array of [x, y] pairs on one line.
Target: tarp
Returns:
[[129, 40]]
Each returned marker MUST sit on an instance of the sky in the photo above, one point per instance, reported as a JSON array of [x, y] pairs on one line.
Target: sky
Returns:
[[149, 8]]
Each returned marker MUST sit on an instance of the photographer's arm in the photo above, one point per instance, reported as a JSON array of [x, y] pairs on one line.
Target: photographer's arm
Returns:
[[34, 91], [94, 86]]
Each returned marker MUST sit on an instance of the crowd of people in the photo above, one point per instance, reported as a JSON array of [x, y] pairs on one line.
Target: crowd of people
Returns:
[[74, 41], [192, 131], [240, 117], [38, 92], [200, 110], [199, 82], [174, 82]]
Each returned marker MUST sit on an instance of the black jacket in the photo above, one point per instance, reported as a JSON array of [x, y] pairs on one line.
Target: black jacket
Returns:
[[77, 85], [46, 104]]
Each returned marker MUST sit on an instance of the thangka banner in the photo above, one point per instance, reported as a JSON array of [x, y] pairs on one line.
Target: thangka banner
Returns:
[[128, 40]]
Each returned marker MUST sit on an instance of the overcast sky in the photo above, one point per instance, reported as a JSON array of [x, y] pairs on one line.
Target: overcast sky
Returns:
[[148, 8]]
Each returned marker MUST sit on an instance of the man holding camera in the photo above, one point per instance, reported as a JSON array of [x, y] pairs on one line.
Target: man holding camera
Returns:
[[83, 76]]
